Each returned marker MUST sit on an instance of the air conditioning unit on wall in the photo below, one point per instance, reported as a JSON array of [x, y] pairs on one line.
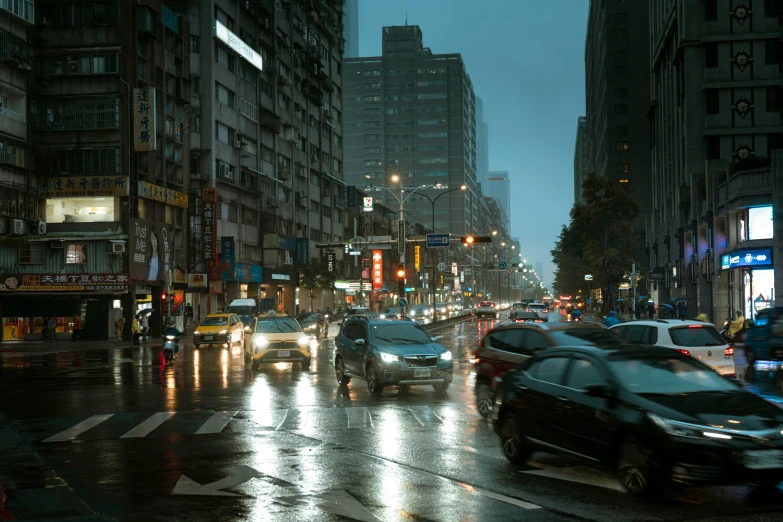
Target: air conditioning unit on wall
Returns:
[[118, 248], [17, 227]]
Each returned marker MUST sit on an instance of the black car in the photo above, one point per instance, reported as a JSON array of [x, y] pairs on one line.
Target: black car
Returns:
[[650, 414], [314, 323]]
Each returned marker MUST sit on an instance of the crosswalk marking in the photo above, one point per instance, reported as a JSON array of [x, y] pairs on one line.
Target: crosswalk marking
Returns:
[[358, 417], [74, 431], [217, 422], [146, 427], [425, 415], [297, 419]]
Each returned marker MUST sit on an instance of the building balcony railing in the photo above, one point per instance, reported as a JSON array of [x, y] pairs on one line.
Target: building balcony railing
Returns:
[[745, 188], [8, 113]]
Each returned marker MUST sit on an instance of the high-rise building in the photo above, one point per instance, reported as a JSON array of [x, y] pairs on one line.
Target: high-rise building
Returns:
[[266, 144], [715, 115], [580, 158], [412, 113], [617, 78], [351, 28], [499, 188], [482, 144]]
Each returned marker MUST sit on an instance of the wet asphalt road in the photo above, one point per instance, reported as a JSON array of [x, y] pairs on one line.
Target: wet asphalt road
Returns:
[[206, 438]]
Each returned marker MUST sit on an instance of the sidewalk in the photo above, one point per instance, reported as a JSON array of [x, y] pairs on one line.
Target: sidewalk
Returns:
[[65, 345]]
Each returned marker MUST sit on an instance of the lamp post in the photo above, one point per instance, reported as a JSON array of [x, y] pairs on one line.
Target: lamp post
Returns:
[[432, 256]]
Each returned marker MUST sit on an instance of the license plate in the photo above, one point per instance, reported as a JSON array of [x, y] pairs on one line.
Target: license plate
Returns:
[[764, 459], [422, 373], [207, 337], [284, 353]]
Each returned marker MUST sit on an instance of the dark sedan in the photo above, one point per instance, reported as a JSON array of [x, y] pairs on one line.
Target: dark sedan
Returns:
[[314, 323], [650, 414]]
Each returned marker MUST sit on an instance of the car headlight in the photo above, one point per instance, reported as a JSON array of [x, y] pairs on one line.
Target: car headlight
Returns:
[[223, 332], [383, 316], [196, 333], [311, 327], [303, 341], [685, 430], [260, 342], [387, 357], [446, 356]]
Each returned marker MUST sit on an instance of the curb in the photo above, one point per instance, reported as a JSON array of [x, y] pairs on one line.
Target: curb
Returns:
[[447, 322]]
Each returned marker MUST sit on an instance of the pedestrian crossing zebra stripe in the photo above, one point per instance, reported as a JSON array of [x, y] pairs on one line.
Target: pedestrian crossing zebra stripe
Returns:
[[291, 419]]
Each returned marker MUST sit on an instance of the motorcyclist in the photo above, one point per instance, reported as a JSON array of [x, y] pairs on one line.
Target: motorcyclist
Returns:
[[171, 329], [612, 319], [736, 325], [576, 315]]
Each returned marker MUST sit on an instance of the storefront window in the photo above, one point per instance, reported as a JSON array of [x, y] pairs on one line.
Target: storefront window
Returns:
[[80, 210], [76, 255], [760, 223], [758, 290]]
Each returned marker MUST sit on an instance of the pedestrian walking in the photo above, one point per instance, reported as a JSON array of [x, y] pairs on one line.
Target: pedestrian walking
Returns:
[[77, 328], [52, 325], [145, 327], [683, 311], [119, 325], [651, 310], [45, 329], [136, 329]]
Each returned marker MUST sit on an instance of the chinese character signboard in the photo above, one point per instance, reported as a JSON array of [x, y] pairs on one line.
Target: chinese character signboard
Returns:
[[417, 257], [144, 120], [247, 273], [209, 220], [227, 252], [302, 252], [83, 186], [151, 251], [350, 193], [197, 280], [164, 195], [377, 269], [63, 282]]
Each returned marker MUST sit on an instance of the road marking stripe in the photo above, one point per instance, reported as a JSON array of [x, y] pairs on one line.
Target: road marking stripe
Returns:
[[425, 415], [78, 429], [578, 474], [358, 417], [146, 427], [217, 422]]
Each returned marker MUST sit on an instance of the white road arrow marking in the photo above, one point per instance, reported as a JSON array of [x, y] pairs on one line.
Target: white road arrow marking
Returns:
[[236, 475], [337, 502]]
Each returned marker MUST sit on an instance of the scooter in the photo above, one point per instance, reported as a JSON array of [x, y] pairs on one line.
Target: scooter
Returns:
[[170, 347]]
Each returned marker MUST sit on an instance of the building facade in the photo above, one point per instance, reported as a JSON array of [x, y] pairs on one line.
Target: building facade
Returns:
[[482, 145], [499, 187], [411, 113], [97, 138], [715, 112], [266, 146], [580, 158], [351, 29], [617, 79]]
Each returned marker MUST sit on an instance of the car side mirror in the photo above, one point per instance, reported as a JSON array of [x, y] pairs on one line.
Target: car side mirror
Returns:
[[597, 390], [360, 342]]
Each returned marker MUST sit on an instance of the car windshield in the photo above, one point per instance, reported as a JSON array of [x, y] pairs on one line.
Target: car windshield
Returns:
[[305, 317], [536, 307], [214, 321], [668, 375], [399, 334], [586, 337], [277, 325], [696, 335]]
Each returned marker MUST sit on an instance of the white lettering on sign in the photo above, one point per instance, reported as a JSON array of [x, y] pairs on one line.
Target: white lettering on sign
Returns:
[[233, 41], [281, 277]]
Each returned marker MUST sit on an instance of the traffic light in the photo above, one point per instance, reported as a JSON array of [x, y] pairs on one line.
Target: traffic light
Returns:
[[470, 240], [401, 278], [163, 297]]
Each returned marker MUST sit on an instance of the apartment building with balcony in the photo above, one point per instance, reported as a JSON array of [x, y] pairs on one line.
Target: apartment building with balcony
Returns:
[[412, 113], [266, 143], [715, 115], [99, 229]]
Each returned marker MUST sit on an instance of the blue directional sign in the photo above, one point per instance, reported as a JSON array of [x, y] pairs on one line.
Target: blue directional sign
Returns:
[[438, 240], [502, 265], [748, 257], [403, 302]]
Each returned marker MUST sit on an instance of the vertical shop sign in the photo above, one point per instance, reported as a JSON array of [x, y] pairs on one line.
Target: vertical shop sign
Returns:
[[209, 232], [377, 269], [145, 125]]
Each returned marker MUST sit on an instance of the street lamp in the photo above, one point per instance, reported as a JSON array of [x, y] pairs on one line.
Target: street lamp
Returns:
[[432, 256]]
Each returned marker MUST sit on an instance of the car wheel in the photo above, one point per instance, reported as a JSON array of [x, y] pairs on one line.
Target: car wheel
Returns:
[[512, 445], [750, 356], [306, 364], [441, 389], [196, 346], [636, 468], [484, 399], [339, 371], [372, 380]]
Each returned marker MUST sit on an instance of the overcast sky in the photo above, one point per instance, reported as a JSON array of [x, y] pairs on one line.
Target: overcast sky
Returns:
[[526, 61]]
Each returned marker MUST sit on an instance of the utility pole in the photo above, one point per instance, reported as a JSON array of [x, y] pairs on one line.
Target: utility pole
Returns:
[[633, 283]]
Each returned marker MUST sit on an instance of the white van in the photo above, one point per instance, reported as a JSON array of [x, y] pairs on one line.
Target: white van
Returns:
[[246, 309]]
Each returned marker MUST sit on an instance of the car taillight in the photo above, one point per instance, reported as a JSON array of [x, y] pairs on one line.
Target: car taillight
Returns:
[[481, 343], [684, 352], [492, 305], [728, 351]]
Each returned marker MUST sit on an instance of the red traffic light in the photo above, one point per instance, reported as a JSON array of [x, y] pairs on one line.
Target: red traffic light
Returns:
[[163, 297]]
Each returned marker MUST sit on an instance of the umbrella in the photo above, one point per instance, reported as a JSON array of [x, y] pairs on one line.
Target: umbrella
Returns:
[[667, 305]]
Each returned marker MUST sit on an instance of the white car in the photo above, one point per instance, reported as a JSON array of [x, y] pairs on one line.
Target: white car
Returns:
[[695, 338], [539, 308], [486, 308], [420, 312]]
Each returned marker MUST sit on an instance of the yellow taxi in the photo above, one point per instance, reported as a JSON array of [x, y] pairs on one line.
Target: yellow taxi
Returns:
[[222, 329], [276, 338]]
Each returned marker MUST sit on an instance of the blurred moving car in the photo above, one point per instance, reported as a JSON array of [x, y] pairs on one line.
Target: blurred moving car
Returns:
[[486, 308], [539, 308], [223, 329], [314, 323], [515, 308], [764, 341], [356, 310], [693, 338], [528, 317], [649, 414], [420, 311], [442, 310], [393, 312], [390, 353], [276, 339], [507, 346]]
